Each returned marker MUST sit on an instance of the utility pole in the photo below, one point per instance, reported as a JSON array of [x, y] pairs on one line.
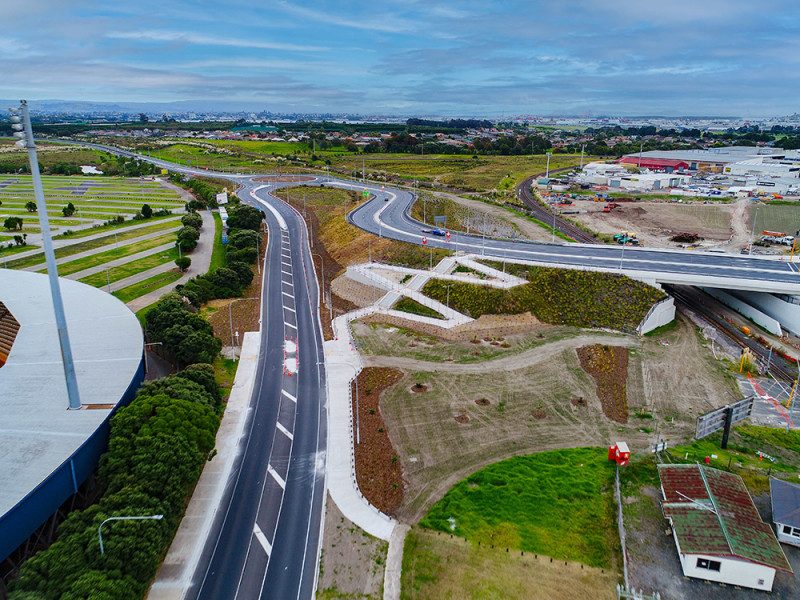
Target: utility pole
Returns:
[[641, 147], [21, 124], [547, 171], [583, 147], [753, 232]]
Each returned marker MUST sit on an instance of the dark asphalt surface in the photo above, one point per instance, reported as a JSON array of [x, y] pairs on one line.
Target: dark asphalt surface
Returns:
[[266, 538]]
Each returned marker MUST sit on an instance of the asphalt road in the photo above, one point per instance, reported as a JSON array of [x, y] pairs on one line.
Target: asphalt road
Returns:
[[266, 540]]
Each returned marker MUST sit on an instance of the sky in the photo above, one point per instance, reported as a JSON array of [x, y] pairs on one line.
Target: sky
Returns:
[[489, 58]]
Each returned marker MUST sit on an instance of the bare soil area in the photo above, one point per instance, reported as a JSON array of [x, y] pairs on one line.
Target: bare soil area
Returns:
[[539, 399], [608, 365], [351, 562], [379, 471], [656, 222]]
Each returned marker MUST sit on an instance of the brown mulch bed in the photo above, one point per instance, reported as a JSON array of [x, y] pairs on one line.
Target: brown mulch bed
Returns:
[[608, 366], [378, 469]]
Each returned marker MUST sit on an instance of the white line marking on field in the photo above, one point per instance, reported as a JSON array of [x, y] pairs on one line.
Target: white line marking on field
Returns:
[[290, 325], [262, 539], [288, 294], [285, 431], [290, 309], [289, 396], [286, 272], [276, 477]]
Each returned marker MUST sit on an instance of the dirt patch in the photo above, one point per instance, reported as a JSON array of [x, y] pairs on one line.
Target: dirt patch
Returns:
[[608, 365], [577, 401], [482, 402], [462, 418], [499, 325], [539, 414], [351, 562], [378, 469], [419, 388]]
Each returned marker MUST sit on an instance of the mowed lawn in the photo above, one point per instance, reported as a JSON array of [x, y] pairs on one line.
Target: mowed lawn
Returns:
[[559, 504]]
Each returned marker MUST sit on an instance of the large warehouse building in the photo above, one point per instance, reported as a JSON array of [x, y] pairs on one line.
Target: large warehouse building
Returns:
[[46, 450], [713, 159]]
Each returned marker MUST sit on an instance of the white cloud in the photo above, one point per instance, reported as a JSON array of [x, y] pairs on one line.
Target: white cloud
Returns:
[[390, 24], [208, 40]]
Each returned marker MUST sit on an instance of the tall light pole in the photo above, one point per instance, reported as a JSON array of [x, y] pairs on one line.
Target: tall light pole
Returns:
[[142, 518], [547, 170], [753, 232], [583, 147], [21, 124]]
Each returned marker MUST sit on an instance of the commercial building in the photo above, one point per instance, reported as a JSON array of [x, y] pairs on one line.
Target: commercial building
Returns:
[[785, 499], [717, 529], [712, 160], [46, 450]]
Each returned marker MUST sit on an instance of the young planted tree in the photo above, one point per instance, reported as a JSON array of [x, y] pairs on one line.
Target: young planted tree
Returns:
[[12, 223], [183, 262], [30, 206], [68, 210], [146, 211]]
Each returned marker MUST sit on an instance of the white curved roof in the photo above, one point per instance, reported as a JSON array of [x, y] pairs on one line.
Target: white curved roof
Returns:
[[37, 432]]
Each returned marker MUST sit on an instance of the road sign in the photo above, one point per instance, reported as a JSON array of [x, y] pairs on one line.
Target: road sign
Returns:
[[440, 219], [365, 193], [723, 418]]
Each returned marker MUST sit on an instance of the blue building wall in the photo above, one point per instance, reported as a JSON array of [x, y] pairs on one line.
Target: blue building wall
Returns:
[[19, 523]]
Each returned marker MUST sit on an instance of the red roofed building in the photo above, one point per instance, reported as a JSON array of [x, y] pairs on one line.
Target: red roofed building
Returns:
[[717, 529], [656, 164]]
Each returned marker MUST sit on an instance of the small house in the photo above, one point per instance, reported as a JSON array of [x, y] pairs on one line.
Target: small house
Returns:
[[717, 529], [786, 510]]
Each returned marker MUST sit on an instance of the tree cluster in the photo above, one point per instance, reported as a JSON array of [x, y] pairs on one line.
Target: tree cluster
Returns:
[[157, 447], [186, 336]]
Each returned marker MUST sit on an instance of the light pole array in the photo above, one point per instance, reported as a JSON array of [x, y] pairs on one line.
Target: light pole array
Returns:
[[21, 124]]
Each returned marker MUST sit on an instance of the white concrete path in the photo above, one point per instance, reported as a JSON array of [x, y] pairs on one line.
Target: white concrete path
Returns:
[[175, 574]]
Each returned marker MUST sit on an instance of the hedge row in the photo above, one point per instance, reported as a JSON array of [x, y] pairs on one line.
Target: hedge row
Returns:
[[557, 296], [185, 335], [157, 447]]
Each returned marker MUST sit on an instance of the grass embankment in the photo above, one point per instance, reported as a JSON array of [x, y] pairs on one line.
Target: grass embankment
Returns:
[[218, 251], [410, 305], [107, 240], [436, 565], [81, 233], [558, 503], [131, 268], [347, 244], [556, 296]]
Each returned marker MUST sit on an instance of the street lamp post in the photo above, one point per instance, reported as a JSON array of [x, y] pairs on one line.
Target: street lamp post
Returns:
[[132, 518], [145, 353], [322, 271], [230, 316], [753, 232], [21, 124]]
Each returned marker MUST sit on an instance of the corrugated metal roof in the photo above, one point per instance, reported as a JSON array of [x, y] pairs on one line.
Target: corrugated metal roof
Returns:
[[712, 513], [785, 502]]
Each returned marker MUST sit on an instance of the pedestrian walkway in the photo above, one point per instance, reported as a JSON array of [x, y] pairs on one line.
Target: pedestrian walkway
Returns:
[[175, 575], [201, 260]]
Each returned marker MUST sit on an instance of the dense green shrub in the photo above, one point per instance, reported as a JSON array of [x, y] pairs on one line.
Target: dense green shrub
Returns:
[[557, 296], [187, 238], [186, 336], [202, 374], [245, 217], [157, 448], [244, 238], [192, 219], [245, 255]]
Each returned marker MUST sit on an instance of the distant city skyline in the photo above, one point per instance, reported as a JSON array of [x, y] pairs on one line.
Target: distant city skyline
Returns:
[[491, 58]]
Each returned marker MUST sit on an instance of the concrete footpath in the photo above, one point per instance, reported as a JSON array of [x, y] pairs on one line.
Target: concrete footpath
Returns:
[[175, 574], [201, 260]]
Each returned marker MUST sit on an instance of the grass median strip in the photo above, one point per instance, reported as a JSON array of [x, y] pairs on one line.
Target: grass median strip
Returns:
[[131, 268], [107, 240], [100, 258], [148, 285]]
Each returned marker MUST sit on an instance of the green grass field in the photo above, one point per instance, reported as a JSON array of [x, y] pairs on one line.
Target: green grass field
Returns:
[[107, 240], [218, 251], [410, 305], [146, 286], [775, 217], [131, 268], [559, 503], [100, 258]]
